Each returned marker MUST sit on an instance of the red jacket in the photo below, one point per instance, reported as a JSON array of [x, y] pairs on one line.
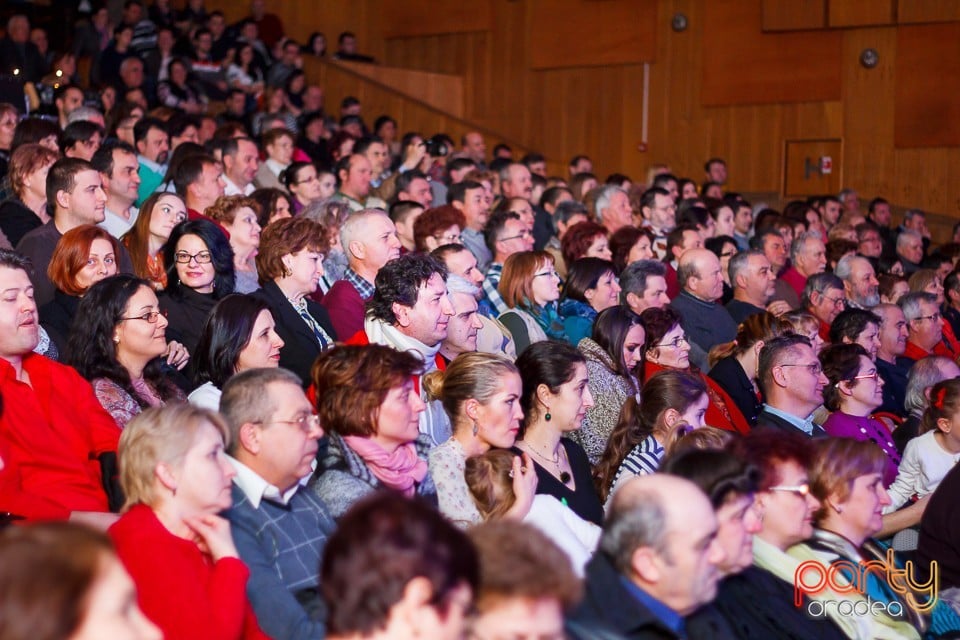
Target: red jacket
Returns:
[[52, 431], [180, 588], [722, 412]]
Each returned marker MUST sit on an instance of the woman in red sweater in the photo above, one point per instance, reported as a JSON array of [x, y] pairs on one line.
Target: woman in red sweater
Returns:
[[180, 553]]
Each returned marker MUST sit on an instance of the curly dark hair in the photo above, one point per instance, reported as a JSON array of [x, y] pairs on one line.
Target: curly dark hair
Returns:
[[399, 281], [92, 351], [225, 278]]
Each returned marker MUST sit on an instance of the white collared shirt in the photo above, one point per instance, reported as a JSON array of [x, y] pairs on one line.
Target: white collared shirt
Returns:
[[233, 190], [256, 488], [117, 225]]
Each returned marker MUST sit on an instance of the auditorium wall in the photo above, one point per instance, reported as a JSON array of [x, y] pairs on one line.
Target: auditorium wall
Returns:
[[740, 81]]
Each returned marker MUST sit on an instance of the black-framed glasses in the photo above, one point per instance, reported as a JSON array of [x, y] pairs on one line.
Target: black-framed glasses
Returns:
[[813, 367], [182, 257], [149, 316], [837, 302], [934, 316]]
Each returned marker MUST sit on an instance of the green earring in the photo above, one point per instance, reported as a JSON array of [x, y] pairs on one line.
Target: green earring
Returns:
[[547, 417]]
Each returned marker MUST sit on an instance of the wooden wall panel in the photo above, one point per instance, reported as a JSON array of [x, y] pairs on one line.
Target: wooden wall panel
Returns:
[[597, 110], [301, 18], [915, 11], [784, 67], [928, 74], [579, 33], [868, 98], [440, 90], [861, 13], [434, 17], [792, 15], [342, 80]]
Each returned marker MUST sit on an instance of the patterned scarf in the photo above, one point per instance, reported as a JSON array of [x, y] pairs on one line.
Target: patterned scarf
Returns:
[[548, 318]]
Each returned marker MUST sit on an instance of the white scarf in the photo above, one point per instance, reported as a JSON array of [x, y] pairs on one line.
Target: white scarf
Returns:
[[433, 421]]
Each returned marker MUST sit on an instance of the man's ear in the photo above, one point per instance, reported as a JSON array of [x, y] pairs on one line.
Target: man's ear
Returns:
[[64, 199], [645, 563], [402, 313], [250, 437], [778, 378], [357, 249]]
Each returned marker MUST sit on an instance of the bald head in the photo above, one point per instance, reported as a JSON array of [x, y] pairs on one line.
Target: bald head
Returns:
[[660, 533], [699, 274]]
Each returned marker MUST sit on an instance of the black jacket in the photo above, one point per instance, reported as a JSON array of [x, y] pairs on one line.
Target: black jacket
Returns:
[[609, 610], [300, 346], [187, 313], [767, 420]]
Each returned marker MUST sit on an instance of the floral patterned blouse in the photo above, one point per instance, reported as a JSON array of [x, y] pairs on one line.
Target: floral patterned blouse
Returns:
[[447, 465], [121, 405]]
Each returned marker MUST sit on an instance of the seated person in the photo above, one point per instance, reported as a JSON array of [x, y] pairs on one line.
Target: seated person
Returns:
[[58, 442]]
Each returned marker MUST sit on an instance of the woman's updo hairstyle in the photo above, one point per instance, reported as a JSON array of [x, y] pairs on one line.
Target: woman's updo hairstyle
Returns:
[[841, 363], [473, 375]]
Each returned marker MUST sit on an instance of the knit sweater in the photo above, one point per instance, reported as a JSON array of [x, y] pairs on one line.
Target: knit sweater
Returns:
[[282, 546], [610, 391]]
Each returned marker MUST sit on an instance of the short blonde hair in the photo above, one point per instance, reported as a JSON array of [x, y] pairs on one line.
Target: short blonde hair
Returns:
[[159, 434]]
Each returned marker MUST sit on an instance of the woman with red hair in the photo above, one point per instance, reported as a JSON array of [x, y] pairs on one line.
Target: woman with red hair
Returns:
[[585, 240], [83, 256]]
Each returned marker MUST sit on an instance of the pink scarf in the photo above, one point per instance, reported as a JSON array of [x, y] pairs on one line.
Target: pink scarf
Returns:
[[399, 470]]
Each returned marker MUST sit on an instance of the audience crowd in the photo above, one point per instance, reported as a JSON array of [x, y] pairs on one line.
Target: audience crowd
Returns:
[[269, 373]]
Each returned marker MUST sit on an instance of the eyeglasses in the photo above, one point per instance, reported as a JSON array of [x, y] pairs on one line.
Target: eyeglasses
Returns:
[[837, 302], [814, 367], [800, 490], [149, 316], [935, 317], [182, 257], [523, 234], [308, 180], [728, 254], [552, 272], [868, 376], [675, 343], [448, 238], [306, 422]]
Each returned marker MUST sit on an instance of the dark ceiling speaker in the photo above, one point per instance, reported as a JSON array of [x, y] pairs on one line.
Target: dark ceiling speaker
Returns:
[[679, 22], [869, 58]]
